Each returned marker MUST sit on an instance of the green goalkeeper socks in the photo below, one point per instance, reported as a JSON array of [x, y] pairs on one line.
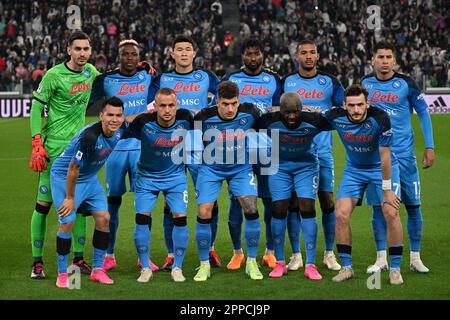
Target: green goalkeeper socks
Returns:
[[38, 229], [79, 234]]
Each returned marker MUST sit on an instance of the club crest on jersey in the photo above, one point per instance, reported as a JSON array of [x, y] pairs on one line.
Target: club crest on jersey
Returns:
[[322, 81], [266, 79], [87, 73], [43, 189], [396, 84], [198, 76], [243, 121], [305, 131], [367, 125], [141, 76]]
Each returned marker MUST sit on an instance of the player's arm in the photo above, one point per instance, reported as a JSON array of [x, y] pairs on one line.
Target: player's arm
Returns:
[[389, 197], [153, 89], [213, 84], [337, 98], [41, 98], [385, 142], [416, 100], [68, 204], [277, 95], [98, 91]]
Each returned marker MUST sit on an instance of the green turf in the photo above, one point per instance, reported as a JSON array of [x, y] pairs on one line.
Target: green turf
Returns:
[[18, 185]]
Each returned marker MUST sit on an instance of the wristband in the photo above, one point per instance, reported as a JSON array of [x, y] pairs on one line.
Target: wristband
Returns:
[[386, 185]]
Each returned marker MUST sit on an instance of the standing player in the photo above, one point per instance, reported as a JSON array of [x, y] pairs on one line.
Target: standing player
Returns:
[[318, 92], [399, 95], [132, 85], [261, 87], [64, 93], [298, 170], [225, 128], [158, 172], [367, 136], [191, 86], [75, 183]]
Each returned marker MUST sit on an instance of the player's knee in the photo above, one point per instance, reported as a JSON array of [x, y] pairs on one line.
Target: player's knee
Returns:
[[307, 205], [342, 217], [66, 227], [115, 200], [142, 219], [205, 212], [100, 239], [279, 209], [43, 207], [251, 215], [279, 214], [180, 221], [327, 209], [391, 214], [326, 202], [308, 214], [102, 220]]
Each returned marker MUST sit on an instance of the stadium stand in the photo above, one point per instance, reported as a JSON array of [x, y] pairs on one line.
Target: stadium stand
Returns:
[[33, 35]]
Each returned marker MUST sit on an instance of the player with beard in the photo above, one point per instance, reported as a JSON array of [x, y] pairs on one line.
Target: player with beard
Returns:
[[261, 87]]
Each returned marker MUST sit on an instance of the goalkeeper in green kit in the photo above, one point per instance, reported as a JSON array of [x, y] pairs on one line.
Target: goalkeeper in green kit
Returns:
[[64, 93]]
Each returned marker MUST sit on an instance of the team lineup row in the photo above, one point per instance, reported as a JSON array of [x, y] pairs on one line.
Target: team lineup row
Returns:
[[315, 90]]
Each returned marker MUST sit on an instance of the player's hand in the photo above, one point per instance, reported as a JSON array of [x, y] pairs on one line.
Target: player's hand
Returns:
[[391, 199], [428, 158], [147, 66], [38, 155], [66, 208]]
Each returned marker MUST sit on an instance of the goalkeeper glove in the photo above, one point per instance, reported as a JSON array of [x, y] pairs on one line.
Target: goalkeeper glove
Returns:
[[38, 155], [146, 66]]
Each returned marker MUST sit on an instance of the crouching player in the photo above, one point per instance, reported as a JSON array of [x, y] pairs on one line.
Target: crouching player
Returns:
[[367, 136], [298, 170], [74, 183], [156, 171]]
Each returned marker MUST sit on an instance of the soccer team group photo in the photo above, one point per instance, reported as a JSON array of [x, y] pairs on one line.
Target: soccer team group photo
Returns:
[[281, 149]]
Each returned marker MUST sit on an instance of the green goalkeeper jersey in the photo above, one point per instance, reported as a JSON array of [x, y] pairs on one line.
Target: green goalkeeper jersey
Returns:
[[65, 93]]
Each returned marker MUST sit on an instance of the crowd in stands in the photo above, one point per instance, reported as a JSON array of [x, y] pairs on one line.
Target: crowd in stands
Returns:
[[33, 34]]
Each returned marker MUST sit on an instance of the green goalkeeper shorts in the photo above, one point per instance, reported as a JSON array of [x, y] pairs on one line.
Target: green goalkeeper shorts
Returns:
[[54, 149]]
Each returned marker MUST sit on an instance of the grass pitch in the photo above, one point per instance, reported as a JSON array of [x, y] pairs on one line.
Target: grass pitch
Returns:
[[18, 191]]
